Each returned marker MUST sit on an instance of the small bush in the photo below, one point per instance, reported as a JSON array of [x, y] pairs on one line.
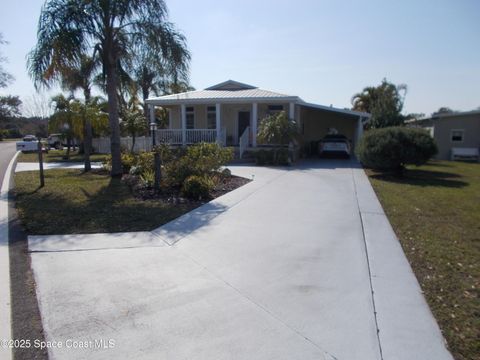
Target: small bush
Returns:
[[197, 187], [272, 157], [201, 160], [394, 147]]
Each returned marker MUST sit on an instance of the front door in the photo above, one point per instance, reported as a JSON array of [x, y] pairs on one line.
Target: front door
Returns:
[[243, 122]]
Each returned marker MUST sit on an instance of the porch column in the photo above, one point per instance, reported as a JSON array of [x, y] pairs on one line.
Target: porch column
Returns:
[[183, 112], [151, 107], [254, 124], [217, 125], [169, 118], [291, 111], [359, 130]]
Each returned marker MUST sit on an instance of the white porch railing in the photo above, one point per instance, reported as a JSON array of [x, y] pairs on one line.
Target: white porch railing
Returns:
[[169, 136], [201, 135], [243, 141]]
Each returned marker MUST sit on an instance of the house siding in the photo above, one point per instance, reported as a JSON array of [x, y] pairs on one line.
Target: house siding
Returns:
[[443, 126]]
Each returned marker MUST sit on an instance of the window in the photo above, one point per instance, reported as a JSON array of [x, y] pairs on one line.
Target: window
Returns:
[[274, 109], [190, 114], [457, 135], [211, 117]]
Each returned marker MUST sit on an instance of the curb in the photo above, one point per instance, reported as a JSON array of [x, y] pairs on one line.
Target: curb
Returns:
[[5, 306]]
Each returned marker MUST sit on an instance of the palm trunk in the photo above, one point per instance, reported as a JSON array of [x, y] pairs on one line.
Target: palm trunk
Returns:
[[113, 119]]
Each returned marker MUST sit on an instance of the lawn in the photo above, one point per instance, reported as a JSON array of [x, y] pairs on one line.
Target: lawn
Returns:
[[75, 202], [435, 212], [57, 156]]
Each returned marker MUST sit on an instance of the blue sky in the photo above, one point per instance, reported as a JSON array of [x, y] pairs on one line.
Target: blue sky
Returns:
[[321, 50]]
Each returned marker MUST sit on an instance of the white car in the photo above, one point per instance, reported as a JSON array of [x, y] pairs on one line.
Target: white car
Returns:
[[334, 145], [29, 143]]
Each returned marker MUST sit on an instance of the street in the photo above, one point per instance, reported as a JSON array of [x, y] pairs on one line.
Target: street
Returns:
[[7, 150]]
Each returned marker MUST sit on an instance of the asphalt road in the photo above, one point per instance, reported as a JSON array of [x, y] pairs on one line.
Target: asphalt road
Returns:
[[7, 150], [26, 321]]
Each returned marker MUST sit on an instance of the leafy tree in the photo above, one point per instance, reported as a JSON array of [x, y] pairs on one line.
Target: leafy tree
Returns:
[[9, 106], [69, 117], [133, 123], [384, 102], [81, 77], [277, 129], [115, 29], [444, 110], [5, 77]]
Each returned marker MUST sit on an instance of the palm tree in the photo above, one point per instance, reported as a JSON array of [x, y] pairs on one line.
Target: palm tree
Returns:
[[81, 77], [113, 29]]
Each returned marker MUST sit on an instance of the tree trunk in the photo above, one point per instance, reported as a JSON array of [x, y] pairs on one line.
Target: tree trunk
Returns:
[[87, 139], [113, 119], [69, 144], [133, 143], [145, 93]]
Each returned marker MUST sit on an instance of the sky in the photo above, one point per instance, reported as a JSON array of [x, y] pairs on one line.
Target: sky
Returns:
[[321, 50]]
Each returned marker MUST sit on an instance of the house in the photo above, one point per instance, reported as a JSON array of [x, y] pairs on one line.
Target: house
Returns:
[[455, 133], [230, 113]]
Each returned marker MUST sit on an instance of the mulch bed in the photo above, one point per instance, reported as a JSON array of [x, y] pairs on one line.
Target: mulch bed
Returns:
[[174, 196]]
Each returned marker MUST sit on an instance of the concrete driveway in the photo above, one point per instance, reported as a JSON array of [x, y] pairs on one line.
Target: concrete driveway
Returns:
[[301, 263]]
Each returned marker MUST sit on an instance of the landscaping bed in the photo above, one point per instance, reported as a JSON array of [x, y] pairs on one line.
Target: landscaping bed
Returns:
[[74, 202], [435, 212]]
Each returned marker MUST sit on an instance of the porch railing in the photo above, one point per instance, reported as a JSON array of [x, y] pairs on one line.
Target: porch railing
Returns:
[[169, 136], [243, 141], [200, 135]]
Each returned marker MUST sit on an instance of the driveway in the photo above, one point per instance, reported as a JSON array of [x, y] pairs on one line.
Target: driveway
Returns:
[[301, 263]]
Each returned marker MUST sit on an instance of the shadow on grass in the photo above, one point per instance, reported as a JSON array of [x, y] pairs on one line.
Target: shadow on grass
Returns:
[[419, 177], [108, 206]]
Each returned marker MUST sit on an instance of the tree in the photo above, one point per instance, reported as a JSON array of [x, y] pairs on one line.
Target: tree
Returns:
[[444, 110], [152, 73], [36, 105], [114, 29], [81, 77], [277, 129], [384, 102], [9, 106], [133, 123], [5, 77], [70, 114]]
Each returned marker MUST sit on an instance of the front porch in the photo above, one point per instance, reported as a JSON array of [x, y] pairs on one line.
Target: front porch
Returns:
[[226, 124]]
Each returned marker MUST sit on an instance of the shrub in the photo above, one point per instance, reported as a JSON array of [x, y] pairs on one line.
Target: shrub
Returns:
[[197, 187], [148, 178], [201, 160], [272, 157], [394, 147]]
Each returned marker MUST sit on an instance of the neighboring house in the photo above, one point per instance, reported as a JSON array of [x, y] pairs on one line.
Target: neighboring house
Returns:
[[230, 113], [454, 133]]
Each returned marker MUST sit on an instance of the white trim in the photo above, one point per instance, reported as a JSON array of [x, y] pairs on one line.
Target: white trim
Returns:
[[457, 141], [333, 109], [291, 111], [239, 100]]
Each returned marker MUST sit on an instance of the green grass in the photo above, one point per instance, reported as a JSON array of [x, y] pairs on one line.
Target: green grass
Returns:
[[74, 202], [435, 211], [57, 156]]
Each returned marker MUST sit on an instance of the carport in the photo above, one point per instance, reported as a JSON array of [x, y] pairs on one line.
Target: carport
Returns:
[[315, 121]]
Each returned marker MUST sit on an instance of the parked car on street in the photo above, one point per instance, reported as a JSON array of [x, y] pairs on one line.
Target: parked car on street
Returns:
[[334, 145], [29, 143]]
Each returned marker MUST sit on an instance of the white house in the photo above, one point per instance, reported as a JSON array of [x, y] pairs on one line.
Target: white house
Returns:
[[230, 113]]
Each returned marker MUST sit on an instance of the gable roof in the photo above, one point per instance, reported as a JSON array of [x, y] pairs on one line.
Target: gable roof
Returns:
[[231, 85]]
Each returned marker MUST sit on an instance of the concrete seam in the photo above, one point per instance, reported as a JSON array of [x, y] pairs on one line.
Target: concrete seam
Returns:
[[368, 265], [264, 309]]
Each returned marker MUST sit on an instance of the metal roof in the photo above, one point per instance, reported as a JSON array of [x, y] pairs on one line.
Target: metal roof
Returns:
[[236, 92]]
